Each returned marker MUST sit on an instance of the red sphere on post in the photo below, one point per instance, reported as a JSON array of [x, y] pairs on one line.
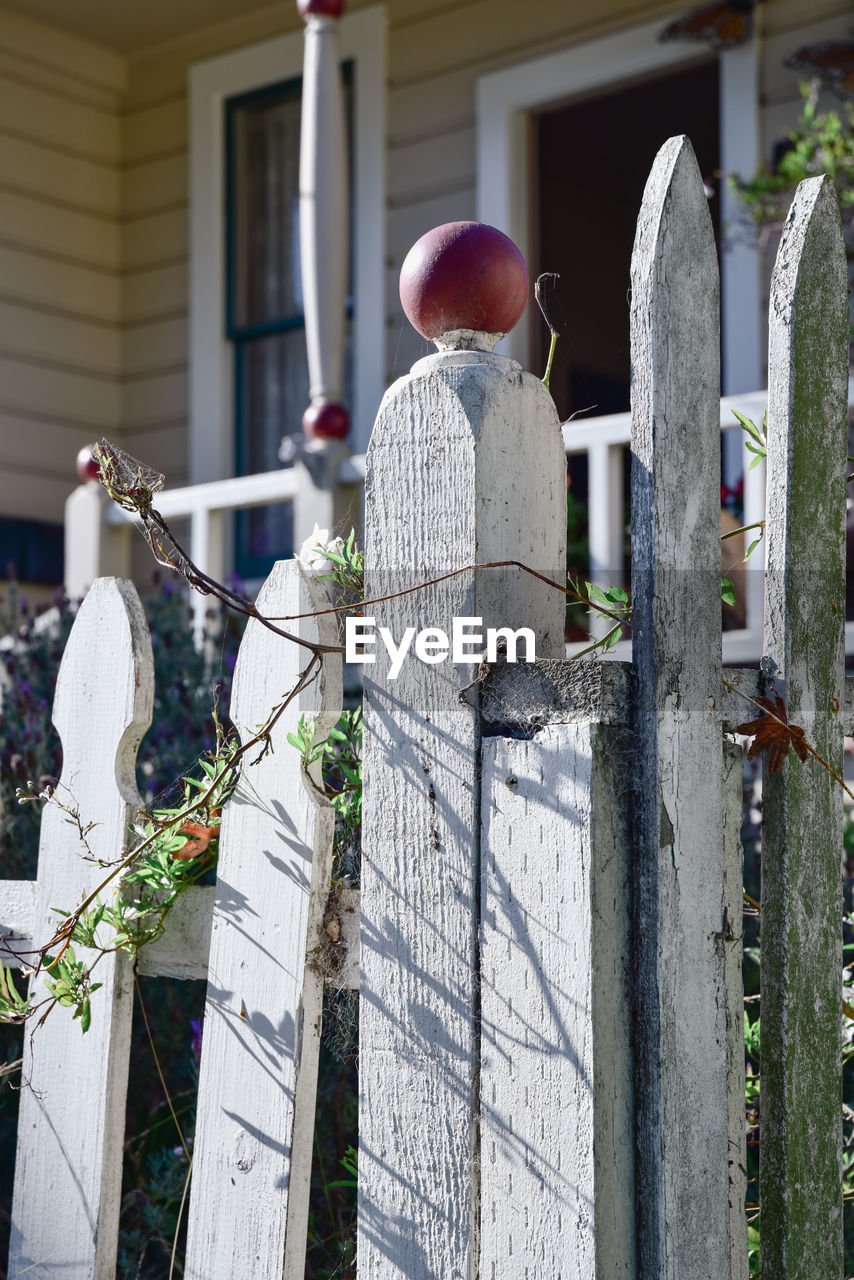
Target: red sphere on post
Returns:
[[463, 275], [88, 467], [320, 8], [326, 420]]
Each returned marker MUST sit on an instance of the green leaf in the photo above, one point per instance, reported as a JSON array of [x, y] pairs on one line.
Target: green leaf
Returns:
[[756, 461], [617, 595], [727, 591], [749, 426], [752, 548]]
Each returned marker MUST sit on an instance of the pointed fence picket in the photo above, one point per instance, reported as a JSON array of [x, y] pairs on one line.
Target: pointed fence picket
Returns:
[[254, 936], [552, 1069]]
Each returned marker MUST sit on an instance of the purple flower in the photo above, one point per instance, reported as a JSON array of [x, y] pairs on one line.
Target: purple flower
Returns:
[[196, 1043]]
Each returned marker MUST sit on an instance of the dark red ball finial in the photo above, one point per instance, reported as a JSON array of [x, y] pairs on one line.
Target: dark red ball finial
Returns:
[[320, 8], [463, 275], [87, 464], [325, 420]]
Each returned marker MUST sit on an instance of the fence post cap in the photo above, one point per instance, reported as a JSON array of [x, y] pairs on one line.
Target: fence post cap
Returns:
[[464, 285]]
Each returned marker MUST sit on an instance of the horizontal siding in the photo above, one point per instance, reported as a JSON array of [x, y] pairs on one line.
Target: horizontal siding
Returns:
[[155, 184], [155, 291], [149, 132], [32, 222], [30, 492], [66, 288], [58, 177], [44, 113], [155, 238], [60, 257], [59, 339], [149, 348], [43, 443], [36, 388], [50, 46], [154, 398], [417, 169], [164, 448]]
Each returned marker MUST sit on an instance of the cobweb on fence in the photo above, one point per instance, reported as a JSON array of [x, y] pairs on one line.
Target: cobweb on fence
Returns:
[[132, 485]]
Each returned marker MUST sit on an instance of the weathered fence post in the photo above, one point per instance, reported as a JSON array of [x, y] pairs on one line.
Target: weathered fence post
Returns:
[[465, 465], [682, 922], [801, 1127], [68, 1173], [261, 1032], [557, 1115]]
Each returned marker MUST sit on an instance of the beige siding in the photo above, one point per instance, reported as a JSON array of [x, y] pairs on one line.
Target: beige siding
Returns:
[[60, 341]]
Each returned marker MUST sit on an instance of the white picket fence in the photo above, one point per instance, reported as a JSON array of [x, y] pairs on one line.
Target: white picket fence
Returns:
[[551, 1061]]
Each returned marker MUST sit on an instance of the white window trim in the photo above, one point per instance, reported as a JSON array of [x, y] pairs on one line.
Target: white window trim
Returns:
[[362, 40], [504, 99]]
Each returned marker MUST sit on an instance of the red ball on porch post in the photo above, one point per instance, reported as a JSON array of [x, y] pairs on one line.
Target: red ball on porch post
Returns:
[[464, 284]]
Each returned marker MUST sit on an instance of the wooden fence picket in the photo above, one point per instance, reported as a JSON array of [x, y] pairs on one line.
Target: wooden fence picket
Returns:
[[261, 1032], [801, 1071], [71, 1123], [439, 488], [557, 1133], [551, 1046], [683, 1125]]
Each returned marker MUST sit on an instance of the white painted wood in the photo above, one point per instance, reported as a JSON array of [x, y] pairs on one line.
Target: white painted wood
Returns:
[[323, 208], [682, 1123], [362, 40], [71, 1123], [93, 547], [731, 943], [742, 356], [481, 477], [183, 949], [802, 830], [17, 916], [223, 495], [605, 518], [556, 1095], [257, 1080]]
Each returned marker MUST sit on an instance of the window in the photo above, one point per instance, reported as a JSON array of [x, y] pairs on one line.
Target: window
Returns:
[[256, 88], [264, 306]]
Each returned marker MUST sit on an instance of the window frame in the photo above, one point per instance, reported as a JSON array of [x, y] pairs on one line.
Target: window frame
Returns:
[[506, 98], [211, 435]]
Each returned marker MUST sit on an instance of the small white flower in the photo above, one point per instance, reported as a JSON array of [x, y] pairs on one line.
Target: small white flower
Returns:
[[314, 552]]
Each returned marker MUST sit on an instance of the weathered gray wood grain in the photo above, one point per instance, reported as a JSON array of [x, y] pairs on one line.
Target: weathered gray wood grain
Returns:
[[257, 1081], [801, 1123], [557, 1131], [731, 943], [68, 1171], [465, 464], [682, 1121]]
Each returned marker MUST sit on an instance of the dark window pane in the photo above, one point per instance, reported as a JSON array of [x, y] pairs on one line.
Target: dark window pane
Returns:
[[265, 202]]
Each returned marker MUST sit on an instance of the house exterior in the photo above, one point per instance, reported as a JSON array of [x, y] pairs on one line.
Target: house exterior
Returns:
[[129, 136]]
